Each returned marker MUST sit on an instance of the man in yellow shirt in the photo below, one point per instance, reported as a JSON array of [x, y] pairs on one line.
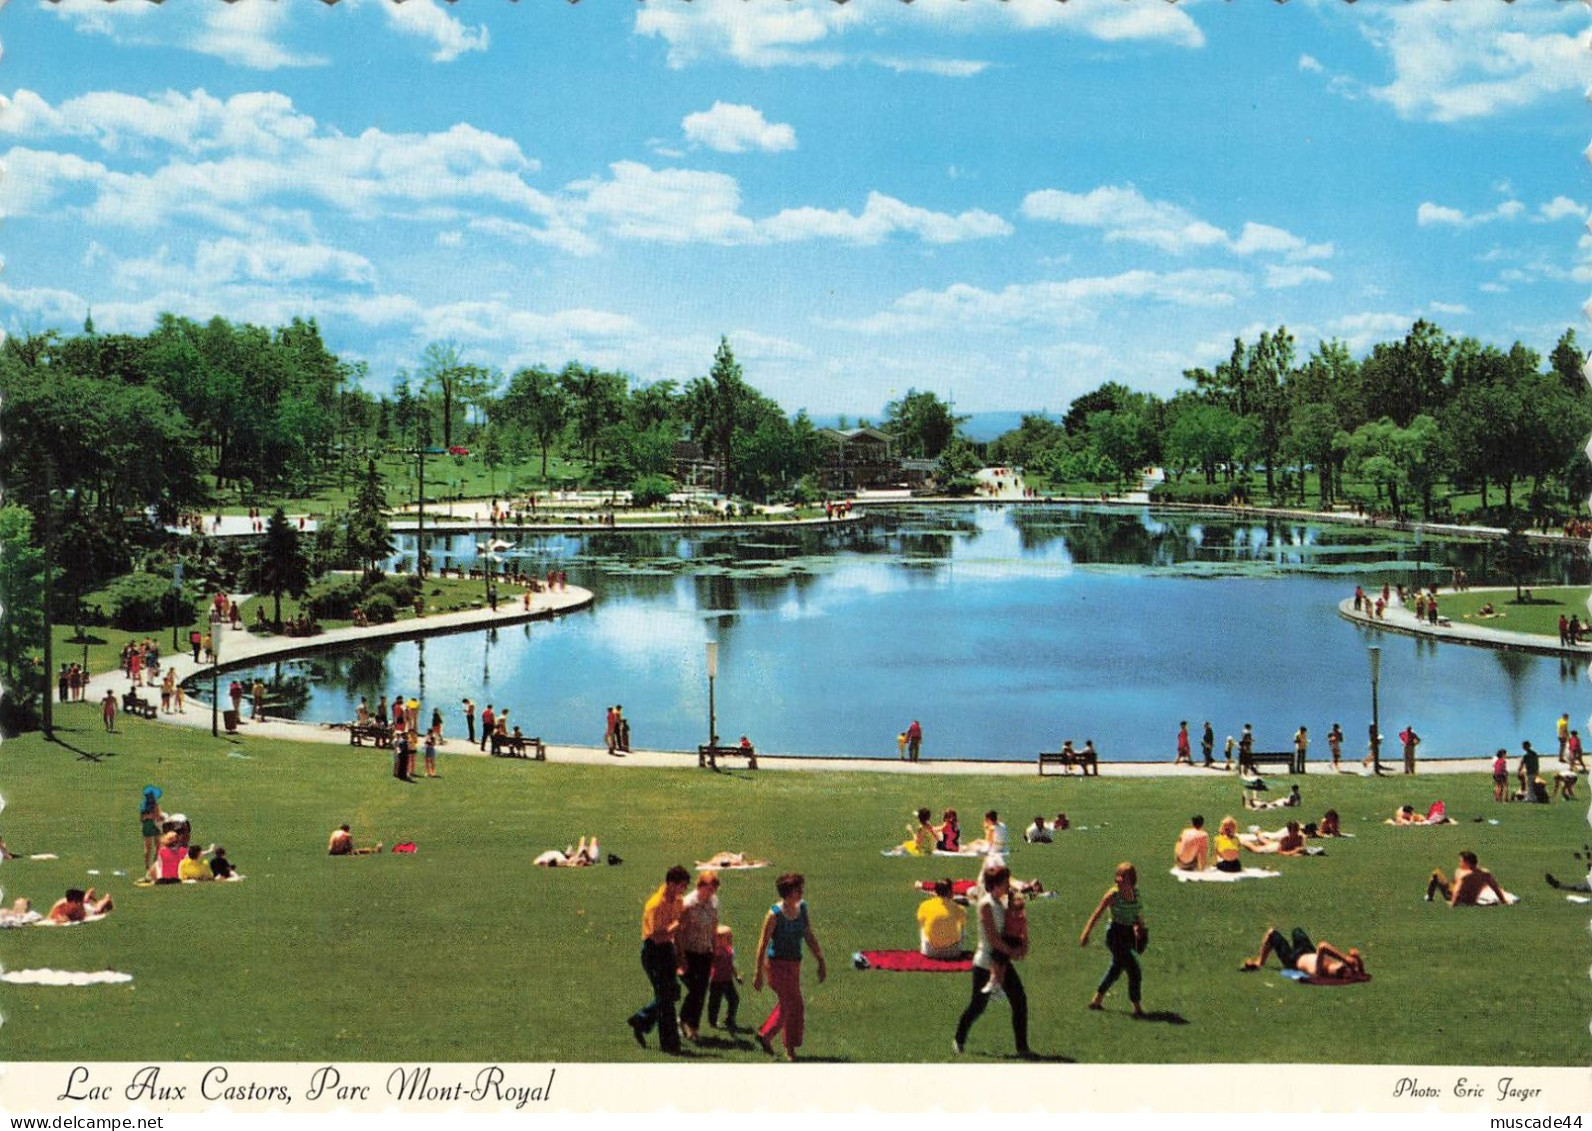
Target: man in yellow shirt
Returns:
[[941, 923], [194, 866], [660, 920]]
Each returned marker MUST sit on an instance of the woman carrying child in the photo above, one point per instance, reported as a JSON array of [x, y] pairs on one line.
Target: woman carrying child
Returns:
[[992, 940]]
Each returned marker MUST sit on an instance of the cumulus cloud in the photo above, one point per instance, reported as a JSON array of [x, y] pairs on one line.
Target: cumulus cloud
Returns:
[[1430, 215], [1453, 63], [1561, 207], [230, 261], [1048, 304], [729, 128], [1125, 214], [1285, 275], [695, 206], [427, 19]]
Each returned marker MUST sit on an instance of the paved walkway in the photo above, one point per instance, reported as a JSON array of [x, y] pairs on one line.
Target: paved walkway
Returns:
[[1399, 618]]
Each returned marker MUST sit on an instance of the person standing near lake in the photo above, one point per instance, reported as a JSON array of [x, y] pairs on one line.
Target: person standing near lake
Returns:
[[1301, 746], [1528, 770], [914, 740], [992, 940], [660, 922], [1208, 744], [1246, 747], [1335, 743], [488, 722], [258, 701], [1410, 740], [1185, 751], [469, 720], [1562, 731]]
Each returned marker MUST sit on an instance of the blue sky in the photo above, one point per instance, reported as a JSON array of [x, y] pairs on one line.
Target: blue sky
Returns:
[[1003, 202]]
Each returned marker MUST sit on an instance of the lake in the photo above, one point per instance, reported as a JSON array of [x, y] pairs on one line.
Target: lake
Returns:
[[1004, 630]]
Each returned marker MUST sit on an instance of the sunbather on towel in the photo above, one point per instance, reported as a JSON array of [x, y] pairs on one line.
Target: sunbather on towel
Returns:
[[1323, 961], [19, 914], [1470, 880], [731, 860], [1227, 846], [78, 905], [1289, 841], [941, 923], [575, 856]]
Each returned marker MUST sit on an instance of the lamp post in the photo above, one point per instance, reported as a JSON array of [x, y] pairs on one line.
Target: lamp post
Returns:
[[713, 674], [215, 670], [1376, 718]]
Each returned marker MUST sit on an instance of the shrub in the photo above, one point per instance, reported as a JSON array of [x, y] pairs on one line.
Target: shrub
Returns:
[[379, 609], [1195, 491], [400, 589], [650, 490], [141, 602], [334, 598]]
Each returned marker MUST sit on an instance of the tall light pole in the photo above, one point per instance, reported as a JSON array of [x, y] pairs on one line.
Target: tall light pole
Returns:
[[1376, 717], [215, 669], [713, 674]]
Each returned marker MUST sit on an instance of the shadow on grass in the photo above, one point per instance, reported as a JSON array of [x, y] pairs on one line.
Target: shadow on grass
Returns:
[[1165, 1016]]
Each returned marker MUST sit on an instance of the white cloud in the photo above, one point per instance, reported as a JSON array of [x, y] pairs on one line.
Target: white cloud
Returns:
[[1561, 207], [1048, 304], [229, 261], [882, 217], [820, 35], [695, 206], [1311, 64], [730, 128], [1361, 331], [35, 179], [1440, 215], [246, 35], [1282, 276], [1452, 63], [427, 19], [1448, 307], [1125, 214]]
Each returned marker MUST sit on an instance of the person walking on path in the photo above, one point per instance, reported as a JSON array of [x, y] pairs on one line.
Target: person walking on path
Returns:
[[1185, 752], [1410, 740], [469, 720], [488, 721], [1246, 747], [779, 962], [914, 740], [1124, 936], [611, 731], [1208, 744], [992, 940], [108, 709], [660, 921]]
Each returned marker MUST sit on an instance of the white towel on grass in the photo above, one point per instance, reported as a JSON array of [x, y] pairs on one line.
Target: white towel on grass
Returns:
[[64, 977], [1214, 876]]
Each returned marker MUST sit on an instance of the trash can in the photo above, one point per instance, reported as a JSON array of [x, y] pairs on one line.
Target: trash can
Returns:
[[230, 718]]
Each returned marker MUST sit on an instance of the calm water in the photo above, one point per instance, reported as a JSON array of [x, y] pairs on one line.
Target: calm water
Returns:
[[1002, 630]]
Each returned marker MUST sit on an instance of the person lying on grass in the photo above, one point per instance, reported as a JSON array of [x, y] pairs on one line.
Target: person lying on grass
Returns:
[[1470, 880], [342, 844], [1323, 961], [580, 856], [78, 905], [1289, 841]]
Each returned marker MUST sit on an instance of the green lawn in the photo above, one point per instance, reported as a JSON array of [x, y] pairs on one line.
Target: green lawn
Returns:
[[1540, 617], [465, 951]]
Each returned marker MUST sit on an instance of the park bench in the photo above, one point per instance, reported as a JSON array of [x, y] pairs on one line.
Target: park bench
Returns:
[[1089, 766], [507, 746], [376, 735], [1287, 758], [133, 704], [709, 756]]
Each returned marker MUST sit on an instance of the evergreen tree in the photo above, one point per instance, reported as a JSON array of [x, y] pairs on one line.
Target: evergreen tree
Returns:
[[367, 537]]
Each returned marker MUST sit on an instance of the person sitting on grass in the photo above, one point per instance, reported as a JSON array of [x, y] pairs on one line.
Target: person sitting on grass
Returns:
[[78, 905], [1192, 851], [941, 923], [1289, 841], [194, 866], [1406, 815], [1323, 961], [1470, 881], [1227, 846], [342, 844], [920, 836], [1329, 824], [220, 867], [1038, 833]]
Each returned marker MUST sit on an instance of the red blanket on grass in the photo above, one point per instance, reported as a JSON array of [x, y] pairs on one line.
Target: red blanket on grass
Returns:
[[912, 961]]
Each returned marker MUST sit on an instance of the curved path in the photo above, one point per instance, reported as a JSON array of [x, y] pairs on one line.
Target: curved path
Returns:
[[1398, 618], [240, 647]]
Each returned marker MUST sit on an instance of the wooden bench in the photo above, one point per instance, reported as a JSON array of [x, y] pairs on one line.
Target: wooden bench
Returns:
[[1289, 759], [507, 746], [1067, 760], [133, 705], [709, 756], [376, 735]]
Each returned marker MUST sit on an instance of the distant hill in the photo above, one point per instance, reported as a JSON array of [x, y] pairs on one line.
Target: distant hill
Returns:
[[981, 427]]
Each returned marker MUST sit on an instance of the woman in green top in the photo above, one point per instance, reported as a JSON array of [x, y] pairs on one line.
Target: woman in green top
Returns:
[[1122, 935]]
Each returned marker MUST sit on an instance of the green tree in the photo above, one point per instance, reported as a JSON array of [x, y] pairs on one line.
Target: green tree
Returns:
[[922, 423], [452, 383], [537, 403], [367, 538], [596, 400], [279, 565], [22, 626]]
